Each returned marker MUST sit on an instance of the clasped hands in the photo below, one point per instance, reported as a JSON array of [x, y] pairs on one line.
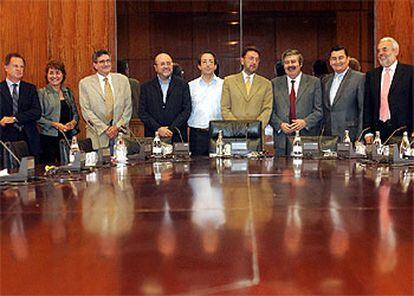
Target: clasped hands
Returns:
[[64, 127], [296, 125]]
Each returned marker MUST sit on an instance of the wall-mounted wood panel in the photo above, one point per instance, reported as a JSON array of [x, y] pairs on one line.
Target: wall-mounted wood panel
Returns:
[[395, 18], [57, 29], [23, 29]]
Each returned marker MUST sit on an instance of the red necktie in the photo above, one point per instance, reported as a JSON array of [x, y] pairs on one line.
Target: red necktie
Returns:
[[292, 97]]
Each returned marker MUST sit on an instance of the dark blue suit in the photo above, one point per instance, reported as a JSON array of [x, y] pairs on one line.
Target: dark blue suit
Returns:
[[174, 113], [29, 111]]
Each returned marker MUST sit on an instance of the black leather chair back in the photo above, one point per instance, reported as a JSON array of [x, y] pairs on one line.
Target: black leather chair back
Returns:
[[237, 131], [85, 145], [19, 149]]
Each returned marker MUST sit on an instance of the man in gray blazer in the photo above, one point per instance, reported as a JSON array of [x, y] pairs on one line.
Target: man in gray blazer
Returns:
[[343, 96], [105, 100], [297, 103]]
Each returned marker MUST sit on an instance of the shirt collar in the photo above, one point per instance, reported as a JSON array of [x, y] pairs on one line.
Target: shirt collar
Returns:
[[101, 77], [393, 66], [10, 83], [297, 78], [245, 75], [213, 80], [162, 82], [341, 75]]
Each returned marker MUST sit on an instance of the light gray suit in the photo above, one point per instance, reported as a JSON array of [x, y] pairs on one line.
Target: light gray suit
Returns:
[[347, 109], [92, 102], [308, 108]]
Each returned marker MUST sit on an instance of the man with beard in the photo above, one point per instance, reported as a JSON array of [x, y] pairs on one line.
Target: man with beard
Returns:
[[388, 103], [165, 103], [247, 95], [297, 103]]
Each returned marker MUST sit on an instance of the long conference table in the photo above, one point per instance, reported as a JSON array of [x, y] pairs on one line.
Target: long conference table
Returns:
[[212, 226]]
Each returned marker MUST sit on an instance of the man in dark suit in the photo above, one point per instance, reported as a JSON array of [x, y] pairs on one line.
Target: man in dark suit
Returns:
[[388, 103], [165, 103], [297, 103], [343, 96], [20, 107]]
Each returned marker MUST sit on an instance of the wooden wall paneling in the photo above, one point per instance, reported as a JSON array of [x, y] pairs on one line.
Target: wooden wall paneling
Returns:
[[24, 29], [75, 30], [348, 31], [395, 18], [259, 31], [367, 41], [326, 35], [305, 39]]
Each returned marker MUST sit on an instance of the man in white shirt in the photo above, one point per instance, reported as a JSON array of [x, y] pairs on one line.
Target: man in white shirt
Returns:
[[205, 94], [389, 92], [105, 100]]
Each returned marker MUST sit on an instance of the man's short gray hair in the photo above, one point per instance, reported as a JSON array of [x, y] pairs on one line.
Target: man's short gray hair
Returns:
[[394, 42]]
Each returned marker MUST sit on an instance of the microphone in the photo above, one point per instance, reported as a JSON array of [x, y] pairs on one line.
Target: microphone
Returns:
[[181, 149], [362, 132], [26, 169], [393, 133], [10, 151], [141, 144]]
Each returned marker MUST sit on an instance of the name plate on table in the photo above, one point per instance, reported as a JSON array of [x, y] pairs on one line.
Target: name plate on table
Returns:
[[181, 149], [310, 148], [239, 148]]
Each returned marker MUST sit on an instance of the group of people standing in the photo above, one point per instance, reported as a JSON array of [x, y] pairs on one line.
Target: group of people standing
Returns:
[[343, 100]]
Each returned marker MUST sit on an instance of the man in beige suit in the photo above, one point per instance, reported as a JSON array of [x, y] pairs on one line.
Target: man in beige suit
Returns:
[[247, 95], [105, 100]]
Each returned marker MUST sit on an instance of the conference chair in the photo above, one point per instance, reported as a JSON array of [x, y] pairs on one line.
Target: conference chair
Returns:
[[239, 134]]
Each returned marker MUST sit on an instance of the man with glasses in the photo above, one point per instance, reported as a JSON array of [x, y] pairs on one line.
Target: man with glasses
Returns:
[[205, 101], [247, 95], [105, 100], [343, 96], [19, 106], [165, 103]]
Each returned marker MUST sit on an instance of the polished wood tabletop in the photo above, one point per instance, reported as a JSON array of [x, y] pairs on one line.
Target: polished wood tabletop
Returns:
[[212, 226]]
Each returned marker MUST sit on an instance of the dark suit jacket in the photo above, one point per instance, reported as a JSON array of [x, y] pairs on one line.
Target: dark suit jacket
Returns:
[[400, 98], [29, 112], [346, 110], [174, 113]]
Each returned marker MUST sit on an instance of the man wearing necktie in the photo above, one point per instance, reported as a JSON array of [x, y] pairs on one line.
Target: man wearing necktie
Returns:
[[247, 95], [342, 96], [20, 107], [389, 94], [297, 103], [105, 100]]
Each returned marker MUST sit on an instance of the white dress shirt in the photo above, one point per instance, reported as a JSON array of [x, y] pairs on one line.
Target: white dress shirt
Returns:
[[10, 85], [102, 83], [392, 72], [251, 76], [206, 101], [336, 82], [297, 81]]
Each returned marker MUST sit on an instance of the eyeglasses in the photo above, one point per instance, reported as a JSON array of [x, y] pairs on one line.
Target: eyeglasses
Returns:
[[108, 61]]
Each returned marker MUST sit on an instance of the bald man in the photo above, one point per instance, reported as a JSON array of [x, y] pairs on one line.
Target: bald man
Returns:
[[165, 103]]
